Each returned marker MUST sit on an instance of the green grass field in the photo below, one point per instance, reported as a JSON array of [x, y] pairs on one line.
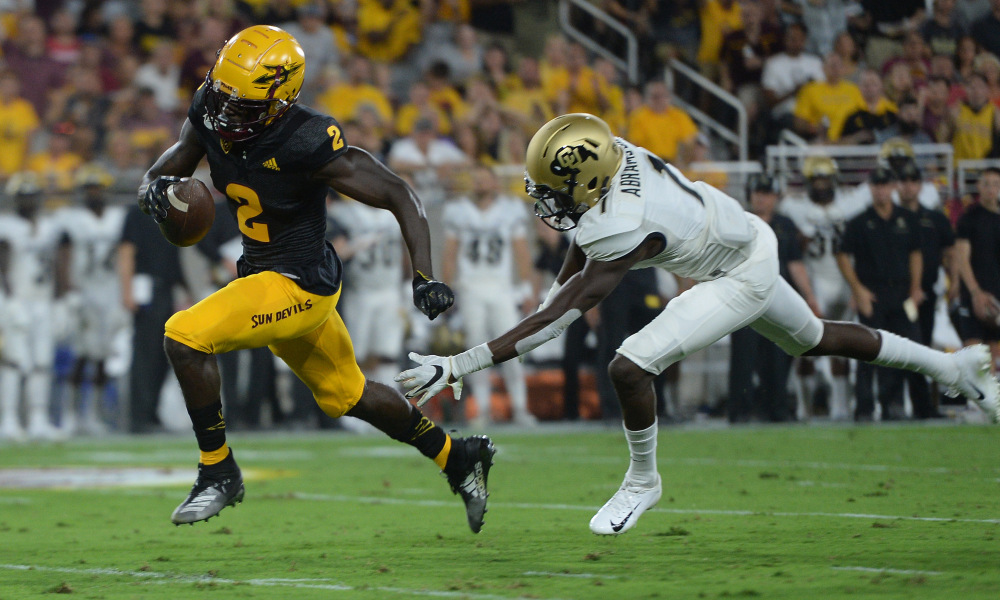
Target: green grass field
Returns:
[[801, 512]]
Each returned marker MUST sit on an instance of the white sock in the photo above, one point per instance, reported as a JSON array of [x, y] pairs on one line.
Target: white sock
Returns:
[[902, 353], [839, 407], [642, 449]]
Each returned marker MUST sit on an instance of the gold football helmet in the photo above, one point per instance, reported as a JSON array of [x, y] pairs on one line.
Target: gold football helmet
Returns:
[[256, 77], [896, 153], [568, 167], [24, 183], [821, 174]]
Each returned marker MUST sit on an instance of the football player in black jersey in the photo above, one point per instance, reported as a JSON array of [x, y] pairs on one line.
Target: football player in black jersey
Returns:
[[275, 160]]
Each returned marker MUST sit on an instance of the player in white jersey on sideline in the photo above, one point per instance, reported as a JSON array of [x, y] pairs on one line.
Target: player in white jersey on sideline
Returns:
[[485, 244], [372, 304], [821, 215], [94, 230], [633, 211], [29, 240]]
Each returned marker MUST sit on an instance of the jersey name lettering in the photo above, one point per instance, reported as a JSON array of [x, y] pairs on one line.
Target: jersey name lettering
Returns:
[[630, 178]]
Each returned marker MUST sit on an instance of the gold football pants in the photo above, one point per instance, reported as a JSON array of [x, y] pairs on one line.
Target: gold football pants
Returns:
[[302, 329]]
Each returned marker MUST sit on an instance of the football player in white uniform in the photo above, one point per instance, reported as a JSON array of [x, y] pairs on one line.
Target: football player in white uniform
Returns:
[[484, 245], [632, 210], [373, 306], [94, 229], [821, 215], [28, 245]]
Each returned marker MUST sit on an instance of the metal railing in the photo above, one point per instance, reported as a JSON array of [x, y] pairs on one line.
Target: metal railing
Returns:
[[739, 137], [629, 64], [967, 174]]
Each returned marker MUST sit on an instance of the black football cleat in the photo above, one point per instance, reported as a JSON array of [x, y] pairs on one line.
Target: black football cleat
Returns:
[[469, 479], [218, 486]]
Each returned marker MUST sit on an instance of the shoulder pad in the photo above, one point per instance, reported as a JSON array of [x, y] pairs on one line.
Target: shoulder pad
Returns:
[[611, 229]]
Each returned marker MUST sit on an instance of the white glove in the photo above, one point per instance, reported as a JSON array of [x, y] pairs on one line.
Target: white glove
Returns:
[[430, 378]]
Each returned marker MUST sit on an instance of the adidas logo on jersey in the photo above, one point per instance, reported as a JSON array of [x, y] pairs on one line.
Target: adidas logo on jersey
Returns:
[[271, 164]]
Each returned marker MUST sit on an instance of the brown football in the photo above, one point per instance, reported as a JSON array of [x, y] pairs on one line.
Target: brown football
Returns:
[[191, 212]]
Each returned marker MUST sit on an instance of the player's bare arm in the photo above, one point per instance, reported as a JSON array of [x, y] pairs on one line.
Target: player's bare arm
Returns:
[[357, 174], [179, 160]]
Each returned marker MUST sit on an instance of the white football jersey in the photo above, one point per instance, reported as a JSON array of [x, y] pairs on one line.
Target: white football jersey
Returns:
[[823, 225], [375, 233], [485, 236], [31, 266], [706, 232], [95, 241]]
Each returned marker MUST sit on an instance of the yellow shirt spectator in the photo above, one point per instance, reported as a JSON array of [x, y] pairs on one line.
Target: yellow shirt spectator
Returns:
[[387, 28], [716, 21], [17, 121], [344, 100], [661, 133], [408, 114], [836, 102], [450, 101], [56, 171]]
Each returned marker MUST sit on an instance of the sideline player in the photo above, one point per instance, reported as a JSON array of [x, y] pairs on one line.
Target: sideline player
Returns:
[[484, 244], [274, 160], [632, 210]]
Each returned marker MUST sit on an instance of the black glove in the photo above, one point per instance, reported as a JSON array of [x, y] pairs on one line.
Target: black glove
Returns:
[[155, 202], [431, 297]]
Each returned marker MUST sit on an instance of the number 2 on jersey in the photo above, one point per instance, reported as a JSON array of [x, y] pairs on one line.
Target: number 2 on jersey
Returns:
[[338, 139], [249, 209]]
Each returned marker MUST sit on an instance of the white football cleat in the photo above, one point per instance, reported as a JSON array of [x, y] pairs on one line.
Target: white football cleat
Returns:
[[12, 431], [621, 512], [43, 431], [975, 381]]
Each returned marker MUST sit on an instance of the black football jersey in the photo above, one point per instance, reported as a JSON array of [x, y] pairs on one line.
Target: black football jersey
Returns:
[[279, 208]]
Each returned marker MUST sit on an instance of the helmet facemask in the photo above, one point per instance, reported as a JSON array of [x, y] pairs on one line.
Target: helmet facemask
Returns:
[[556, 209], [238, 119]]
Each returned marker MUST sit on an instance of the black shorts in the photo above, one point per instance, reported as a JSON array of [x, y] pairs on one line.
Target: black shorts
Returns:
[[971, 328]]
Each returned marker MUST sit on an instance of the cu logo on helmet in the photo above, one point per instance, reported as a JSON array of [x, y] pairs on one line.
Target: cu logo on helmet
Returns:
[[568, 157]]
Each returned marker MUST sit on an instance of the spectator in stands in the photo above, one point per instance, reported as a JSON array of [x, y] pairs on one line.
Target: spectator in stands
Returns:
[[784, 75], [907, 125], [718, 18], [198, 59], [887, 23], [120, 42], [969, 11], [345, 100], [899, 82], [885, 276], [965, 55], [25, 55], [989, 65], [659, 126], [498, 70], [825, 19], [463, 54], [56, 164], [387, 29], [421, 107], [850, 57], [986, 29], [528, 99], [153, 26], [577, 88], [162, 75], [943, 66], [135, 111], [682, 33], [878, 112], [937, 243], [935, 103], [613, 109], [18, 123], [63, 45], [428, 160], [123, 164], [821, 107], [971, 124], [317, 41], [976, 264], [944, 28], [81, 102], [742, 58], [752, 353], [443, 93], [914, 56]]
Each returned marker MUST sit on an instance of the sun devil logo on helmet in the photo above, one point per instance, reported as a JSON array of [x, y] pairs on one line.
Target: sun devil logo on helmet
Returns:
[[277, 75]]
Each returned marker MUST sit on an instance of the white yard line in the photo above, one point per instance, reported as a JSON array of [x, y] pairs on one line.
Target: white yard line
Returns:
[[568, 575], [318, 584], [884, 570]]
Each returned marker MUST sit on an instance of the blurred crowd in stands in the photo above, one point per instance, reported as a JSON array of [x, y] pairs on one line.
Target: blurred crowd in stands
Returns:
[[447, 93]]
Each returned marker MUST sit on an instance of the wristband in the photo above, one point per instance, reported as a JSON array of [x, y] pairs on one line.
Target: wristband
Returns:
[[552, 294], [470, 361]]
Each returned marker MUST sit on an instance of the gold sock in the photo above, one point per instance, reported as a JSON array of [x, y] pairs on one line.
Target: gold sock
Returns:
[[442, 458], [215, 456]]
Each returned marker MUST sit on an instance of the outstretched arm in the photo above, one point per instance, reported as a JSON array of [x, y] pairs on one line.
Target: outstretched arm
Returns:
[[581, 292]]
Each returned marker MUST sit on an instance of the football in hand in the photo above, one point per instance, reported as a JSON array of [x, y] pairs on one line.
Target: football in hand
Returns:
[[191, 212]]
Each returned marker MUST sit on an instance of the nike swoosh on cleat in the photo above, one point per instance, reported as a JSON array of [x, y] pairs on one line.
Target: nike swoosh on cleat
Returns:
[[618, 527], [438, 372]]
